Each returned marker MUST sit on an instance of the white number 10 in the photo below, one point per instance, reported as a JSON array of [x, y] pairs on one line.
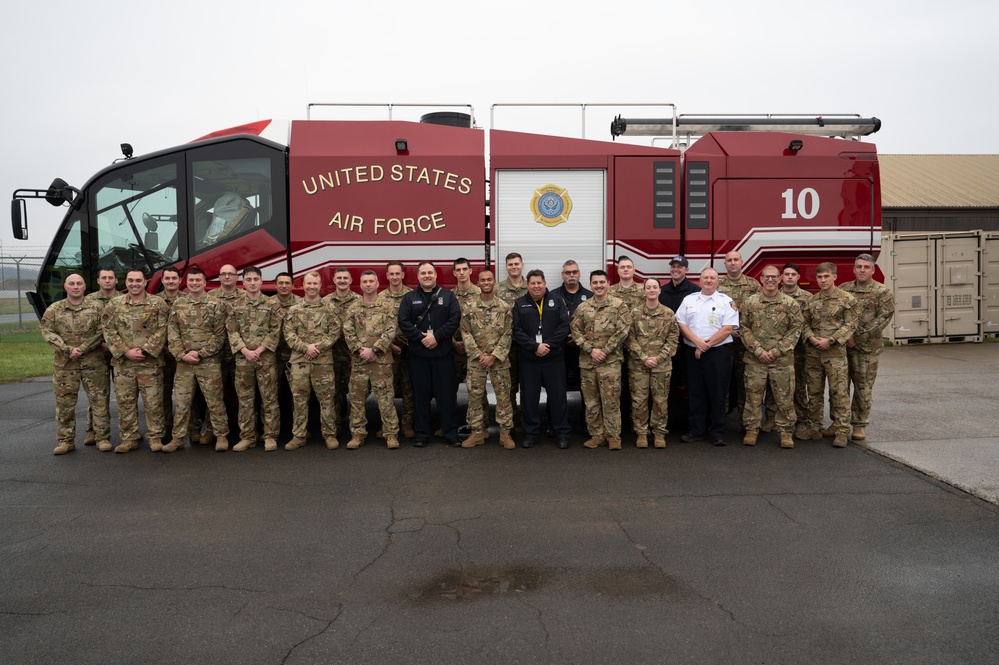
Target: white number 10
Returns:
[[808, 203]]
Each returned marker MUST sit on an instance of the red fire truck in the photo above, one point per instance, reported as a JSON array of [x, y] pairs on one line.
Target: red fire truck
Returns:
[[321, 194]]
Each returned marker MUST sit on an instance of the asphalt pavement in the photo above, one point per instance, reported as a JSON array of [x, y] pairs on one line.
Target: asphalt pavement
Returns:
[[885, 552]]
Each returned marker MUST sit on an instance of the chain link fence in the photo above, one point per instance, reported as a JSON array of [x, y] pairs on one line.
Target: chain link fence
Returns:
[[18, 275]]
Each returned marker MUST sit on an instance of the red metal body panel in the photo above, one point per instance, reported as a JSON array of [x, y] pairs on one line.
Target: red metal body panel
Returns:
[[775, 205], [357, 202], [255, 128]]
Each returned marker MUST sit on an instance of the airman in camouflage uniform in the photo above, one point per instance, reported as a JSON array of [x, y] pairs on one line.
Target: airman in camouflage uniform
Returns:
[[789, 286], [369, 327], [73, 327], [875, 307], [652, 343], [633, 295], [253, 326], [170, 279], [600, 327], [770, 323], [830, 320], [340, 300], [285, 299], [509, 290], [737, 286], [107, 288], [312, 328], [228, 293], [135, 330], [394, 292], [196, 333], [466, 292], [487, 328]]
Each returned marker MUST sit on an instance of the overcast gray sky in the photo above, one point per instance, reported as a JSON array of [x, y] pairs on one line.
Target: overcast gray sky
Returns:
[[81, 78]]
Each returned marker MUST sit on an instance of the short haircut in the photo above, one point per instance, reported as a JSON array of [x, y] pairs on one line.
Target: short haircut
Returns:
[[770, 265], [138, 270], [426, 263], [513, 255], [792, 266], [598, 273], [395, 263], [568, 263], [864, 257], [252, 270], [537, 272], [284, 274], [369, 272], [826, 267], [172, 269], [625, 257], [340, 270], [195, 271], [110, 270], [313, 273], [461, 259]]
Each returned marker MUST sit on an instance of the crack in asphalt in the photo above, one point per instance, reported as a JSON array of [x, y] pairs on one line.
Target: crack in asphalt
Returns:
[[327, 623], [137, 587], [541, 622]]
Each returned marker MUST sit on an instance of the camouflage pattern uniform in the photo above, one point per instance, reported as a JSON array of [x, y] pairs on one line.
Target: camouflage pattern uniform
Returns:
[[770, 324], [800, 296], [312, 323], [605, 326], [100, 301], [228, 360], [509, 293], [487, 327], [460, 357], [875, 307], [654, 333], [633, 296], [400, 368], [66, 327], [341, 356], [169, 371], [833, 316], [128, 325], [283, 352], [372, 326], [198, 325], [737, 290], [251, 324]]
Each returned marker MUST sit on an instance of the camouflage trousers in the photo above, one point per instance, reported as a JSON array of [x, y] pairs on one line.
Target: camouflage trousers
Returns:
[[737, 381], [819, 369], [800, 391], [648, 386], [374, 378], [342, 369], [106, 368], [863, 372], [475, 380], [250, 377], [776, 381], [208, 376], [169, 372], [403, 386], [131, 379], [66, 385], [601, 389], [307, 378]]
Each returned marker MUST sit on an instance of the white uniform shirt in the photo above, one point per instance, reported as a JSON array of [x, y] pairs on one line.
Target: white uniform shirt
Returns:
[[706, 315]]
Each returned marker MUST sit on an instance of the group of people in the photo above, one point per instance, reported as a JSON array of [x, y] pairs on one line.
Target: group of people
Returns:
[[767, 348]]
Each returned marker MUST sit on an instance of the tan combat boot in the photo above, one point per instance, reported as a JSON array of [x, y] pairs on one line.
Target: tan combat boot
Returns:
[[507, 441], [858, 434], [642, 441], [477, 439], [840, 440], [194, 433], [615, 444], [829, 431], [295, 443], [244, 444], [64, 448], [768, 424], [155, 445], [354, 443], [126, 446], [174, 446], [785, 440], [206, 438], [270, 445], [104, 446], [380, 434], [594, 442], [391, 442], [332, 443], [221, 444], [659, 441], [90, 439], [750, 438], [408, 431]]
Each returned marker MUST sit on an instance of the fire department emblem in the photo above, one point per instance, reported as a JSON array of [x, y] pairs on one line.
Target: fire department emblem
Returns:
[[551, 205]]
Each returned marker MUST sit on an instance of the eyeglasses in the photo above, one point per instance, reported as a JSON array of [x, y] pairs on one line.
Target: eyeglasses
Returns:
[[570, 272], [770, 278]]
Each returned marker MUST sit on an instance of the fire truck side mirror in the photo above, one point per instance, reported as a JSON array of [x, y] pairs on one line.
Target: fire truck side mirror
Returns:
[[60, 192], [19, 218]]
